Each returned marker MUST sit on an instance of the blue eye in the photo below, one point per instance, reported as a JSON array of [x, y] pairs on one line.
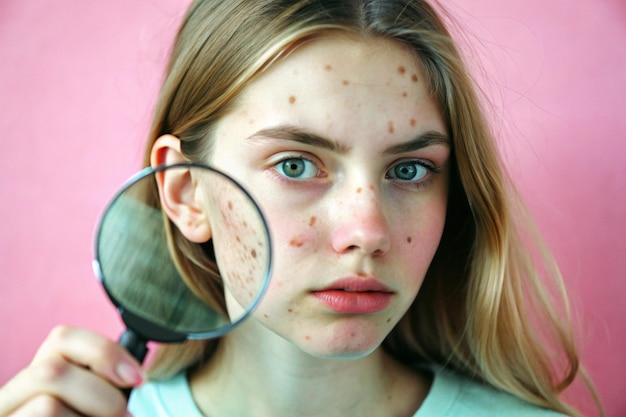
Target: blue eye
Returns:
[[297, 168], [408, 171]]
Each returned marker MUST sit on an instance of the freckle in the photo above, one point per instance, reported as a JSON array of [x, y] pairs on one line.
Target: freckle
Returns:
[[296, 243], [371, 187], [290, 310], [238, 239], [413, 122], [358, 190], [401, 69], [405, 94], [345, 82], [328, 67], [409, 239], [230, 205], [352, 334], [253, 253], [292, 99], [307, 337], [388, 320], [265, 315], [251, 121], [312, 221], [390, 127], [414, 78], [361, 274]]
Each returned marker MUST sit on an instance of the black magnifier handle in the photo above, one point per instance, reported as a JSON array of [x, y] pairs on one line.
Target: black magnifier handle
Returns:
[[137, 346]]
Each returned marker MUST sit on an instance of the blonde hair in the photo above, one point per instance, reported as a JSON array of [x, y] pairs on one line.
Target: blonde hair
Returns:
[[484, 309]]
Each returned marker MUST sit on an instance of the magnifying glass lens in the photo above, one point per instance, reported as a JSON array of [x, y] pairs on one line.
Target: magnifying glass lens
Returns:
[[168, 288]]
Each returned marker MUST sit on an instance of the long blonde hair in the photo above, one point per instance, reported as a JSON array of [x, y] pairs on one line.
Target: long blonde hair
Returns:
[[484, 309]]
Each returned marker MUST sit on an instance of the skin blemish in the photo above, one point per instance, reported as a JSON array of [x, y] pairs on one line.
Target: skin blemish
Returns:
[[413, 122], [296, 242], [401, 70], [266, 316], [390, 127], [292, 99], [230, 205], [328, 67], [358, 190], [405, 94], [312, 221], [409, 239], [389, 320], [307, 337], [371, 187], [345, 82], [414, 78], [290, 310], [253, 253], [352, 334]]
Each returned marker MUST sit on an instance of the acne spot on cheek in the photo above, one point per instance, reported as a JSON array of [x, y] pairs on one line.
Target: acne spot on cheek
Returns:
[[292, 99], [296, 242], [312, 221], [390, 127], [401, 69]]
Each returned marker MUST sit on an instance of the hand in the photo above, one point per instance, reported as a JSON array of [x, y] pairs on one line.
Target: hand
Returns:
[[76, 372]]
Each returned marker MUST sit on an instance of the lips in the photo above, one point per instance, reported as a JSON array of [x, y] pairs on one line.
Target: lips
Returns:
[[355, 296]]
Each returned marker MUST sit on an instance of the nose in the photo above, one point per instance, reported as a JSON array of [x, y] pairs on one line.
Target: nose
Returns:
[[361, 225]]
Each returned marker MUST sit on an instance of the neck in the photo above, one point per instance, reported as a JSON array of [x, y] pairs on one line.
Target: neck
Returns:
[[276, 378]]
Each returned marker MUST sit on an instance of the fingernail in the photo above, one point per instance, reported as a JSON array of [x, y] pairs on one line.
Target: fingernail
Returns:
[[129, 374]]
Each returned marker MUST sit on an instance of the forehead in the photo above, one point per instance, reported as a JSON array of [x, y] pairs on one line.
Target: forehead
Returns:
[[344, 60]]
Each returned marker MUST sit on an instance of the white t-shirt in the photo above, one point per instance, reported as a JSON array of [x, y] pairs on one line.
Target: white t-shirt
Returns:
[[450, 395]]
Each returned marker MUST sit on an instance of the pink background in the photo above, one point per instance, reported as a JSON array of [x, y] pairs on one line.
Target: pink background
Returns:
[[77, 83]]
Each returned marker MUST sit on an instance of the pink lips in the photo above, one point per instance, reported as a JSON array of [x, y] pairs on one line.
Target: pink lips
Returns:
[[355, 296]]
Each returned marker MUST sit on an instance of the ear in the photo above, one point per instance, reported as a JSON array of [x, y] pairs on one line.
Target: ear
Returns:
[[180, 197]]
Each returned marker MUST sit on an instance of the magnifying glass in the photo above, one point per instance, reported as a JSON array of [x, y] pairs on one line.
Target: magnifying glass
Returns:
[[162, 297]]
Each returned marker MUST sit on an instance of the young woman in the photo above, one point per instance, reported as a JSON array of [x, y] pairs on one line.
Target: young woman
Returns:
[[402, 284]]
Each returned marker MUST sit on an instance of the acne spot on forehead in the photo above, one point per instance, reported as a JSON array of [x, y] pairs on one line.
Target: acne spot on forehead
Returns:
[[328, 67], [414, 78], [292, 99], [401, 69], [312, 221], [390, 127]]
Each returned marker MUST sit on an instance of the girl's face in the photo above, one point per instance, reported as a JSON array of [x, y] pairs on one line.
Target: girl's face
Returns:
[[347, 155]]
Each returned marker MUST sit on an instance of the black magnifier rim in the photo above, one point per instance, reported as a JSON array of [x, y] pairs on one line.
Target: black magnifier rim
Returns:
[[97, 267]]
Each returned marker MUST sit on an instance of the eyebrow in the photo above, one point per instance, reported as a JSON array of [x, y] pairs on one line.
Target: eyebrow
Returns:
[[292, 133]]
